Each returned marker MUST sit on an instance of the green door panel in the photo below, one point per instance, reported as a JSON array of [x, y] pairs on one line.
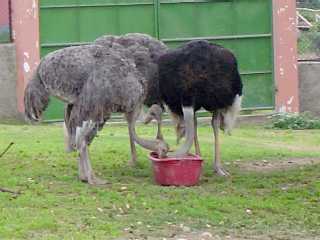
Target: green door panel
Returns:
[[258, 90], [209, 18], [256, 58], [4, 34]]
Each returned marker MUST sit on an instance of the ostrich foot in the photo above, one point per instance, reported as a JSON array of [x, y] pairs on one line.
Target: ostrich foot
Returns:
[[221, 171], [92, 180], [132, 162], [69, 149]]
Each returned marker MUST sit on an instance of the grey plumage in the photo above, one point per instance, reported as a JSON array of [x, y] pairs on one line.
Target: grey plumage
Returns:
[[145, 51], [94, 81]]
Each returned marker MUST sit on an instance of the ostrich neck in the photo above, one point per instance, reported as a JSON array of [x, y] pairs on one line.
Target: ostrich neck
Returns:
[[148, 144]]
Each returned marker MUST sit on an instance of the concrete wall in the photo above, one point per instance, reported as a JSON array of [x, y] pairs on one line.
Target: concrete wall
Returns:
[[8, 80], [309, 87]]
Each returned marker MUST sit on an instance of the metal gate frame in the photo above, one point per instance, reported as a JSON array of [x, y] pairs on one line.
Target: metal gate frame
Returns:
[[25, 28], [259, 98]]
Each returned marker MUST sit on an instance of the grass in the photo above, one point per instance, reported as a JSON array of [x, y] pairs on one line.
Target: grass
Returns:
[[55, 205]]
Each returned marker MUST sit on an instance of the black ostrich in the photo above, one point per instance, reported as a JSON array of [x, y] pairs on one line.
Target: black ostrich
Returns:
[[200, 75], [94, 81]]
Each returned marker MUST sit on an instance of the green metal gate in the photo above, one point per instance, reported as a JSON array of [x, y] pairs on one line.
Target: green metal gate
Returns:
[[244, 26]]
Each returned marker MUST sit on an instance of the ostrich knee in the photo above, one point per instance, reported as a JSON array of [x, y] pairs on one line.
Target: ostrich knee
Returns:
[[85, 170], [67, 140]]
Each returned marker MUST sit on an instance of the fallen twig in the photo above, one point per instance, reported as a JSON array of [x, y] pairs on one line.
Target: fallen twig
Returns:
[[6, 150], [9, 191]]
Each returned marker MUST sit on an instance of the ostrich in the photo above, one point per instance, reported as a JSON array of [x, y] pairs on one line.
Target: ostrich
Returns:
[[200, 75], [145, 52], [94, 81]]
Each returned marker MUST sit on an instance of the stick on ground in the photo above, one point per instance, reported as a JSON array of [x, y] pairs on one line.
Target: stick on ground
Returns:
[[9, 191], [6, 150]]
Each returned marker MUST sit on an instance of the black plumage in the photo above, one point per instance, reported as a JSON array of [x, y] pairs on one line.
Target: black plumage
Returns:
[[198, 75]]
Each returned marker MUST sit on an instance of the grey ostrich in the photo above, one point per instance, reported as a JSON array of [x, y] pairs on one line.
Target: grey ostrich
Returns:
[[200, 75], [145, 52], [94, 81]]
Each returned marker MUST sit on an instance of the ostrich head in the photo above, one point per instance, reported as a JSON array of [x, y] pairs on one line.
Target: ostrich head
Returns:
[[154, 112], [162, 148]]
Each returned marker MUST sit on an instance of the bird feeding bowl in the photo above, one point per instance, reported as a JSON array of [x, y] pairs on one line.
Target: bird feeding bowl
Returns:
[[183, 171]]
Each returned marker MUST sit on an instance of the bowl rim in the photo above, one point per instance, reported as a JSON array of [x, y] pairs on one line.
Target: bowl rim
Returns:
[[190, 157]]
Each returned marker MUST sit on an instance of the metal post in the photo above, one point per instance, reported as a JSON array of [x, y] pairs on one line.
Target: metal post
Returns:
[[156, 5]]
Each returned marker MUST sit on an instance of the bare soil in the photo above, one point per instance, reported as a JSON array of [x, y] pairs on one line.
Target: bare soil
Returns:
[[277, 165], [210, 235]]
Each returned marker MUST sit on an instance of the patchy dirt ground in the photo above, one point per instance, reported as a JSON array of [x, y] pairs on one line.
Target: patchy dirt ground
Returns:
[[279, 165], [188, 234], [53, 204]]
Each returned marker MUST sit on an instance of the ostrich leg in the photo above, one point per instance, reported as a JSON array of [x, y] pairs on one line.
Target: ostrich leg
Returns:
[[69, 146], [85, 170], [196, 141], [133, 160], [217, 166], [188, 113], [155, 112]]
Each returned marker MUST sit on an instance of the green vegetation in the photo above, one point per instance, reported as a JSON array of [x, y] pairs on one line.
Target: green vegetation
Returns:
[[309, 4], [53, 204], [295, 121], [309, 41]]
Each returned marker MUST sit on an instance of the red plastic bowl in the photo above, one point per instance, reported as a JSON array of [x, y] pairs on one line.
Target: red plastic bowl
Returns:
[[184, 171]]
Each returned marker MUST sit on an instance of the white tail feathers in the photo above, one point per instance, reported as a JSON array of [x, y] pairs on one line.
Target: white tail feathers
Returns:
[[231, 113]]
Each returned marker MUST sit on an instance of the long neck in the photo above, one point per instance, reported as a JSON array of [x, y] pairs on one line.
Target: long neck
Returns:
[[148, 144]]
